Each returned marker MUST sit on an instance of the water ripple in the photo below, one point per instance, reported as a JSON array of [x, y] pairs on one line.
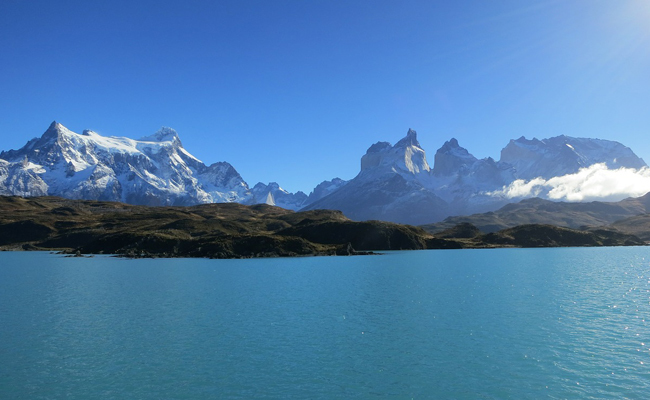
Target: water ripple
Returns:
[[491, 324]]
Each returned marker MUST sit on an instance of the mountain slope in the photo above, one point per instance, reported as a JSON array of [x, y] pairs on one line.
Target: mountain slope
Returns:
[[209, 230], [397, 184], [390, 186], [540, 211], [155, 170], [230, 230], [272, 194], [562, 155]]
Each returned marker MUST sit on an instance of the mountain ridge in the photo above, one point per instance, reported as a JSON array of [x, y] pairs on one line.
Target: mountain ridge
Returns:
[[395, 182], [562, 214], [459, 183]]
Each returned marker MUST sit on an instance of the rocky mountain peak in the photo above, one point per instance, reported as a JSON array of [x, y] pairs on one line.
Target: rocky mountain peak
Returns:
[[451, 145], [54, 125], [274, 195], [378, 147], [406, 155], [164, 134], [451, 158], [260, 186], [54, 130], [411, 139]]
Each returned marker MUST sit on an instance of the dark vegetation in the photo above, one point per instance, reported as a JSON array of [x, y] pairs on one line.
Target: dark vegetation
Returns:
[[233, 231], [536, 235], [212, 230], [569, 215]]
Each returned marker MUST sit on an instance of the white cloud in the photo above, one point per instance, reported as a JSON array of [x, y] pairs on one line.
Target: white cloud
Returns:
[[596, 182]]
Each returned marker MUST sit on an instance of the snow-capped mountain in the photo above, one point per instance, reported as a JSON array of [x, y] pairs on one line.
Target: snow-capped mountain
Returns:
[[390, 186], [274, 195], [155, 170], [325, 188], [562, 155], [397, 184]]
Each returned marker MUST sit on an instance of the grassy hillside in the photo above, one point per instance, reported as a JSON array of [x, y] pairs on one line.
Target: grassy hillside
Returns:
[[210, 230], [539, 211], [234, 230]]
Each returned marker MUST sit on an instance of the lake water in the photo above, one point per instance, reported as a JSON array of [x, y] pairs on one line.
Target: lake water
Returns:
[[489, 324]]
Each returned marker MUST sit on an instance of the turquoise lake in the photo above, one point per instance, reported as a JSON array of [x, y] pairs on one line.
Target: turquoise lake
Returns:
[[451, 324]]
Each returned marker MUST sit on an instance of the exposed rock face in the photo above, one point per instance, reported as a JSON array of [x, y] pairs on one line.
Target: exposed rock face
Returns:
[[406, 156], [325, 188], [452, 159], [274, 195], [397, 184], [390, 186]]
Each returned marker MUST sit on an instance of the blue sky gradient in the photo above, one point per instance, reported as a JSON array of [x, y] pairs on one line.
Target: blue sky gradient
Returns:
[[296, 91]]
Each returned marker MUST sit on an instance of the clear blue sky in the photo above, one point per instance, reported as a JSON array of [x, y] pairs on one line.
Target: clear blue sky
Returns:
[[296, 91]]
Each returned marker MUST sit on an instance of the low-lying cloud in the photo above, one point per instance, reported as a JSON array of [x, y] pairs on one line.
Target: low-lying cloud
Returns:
[[596, 182]]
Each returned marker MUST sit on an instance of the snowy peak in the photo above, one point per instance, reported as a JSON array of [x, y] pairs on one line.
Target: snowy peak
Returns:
[[95, 167], [325, 188], [164, 134], [411, 139], [451, 159], [273, 194], [53, 133], [405, 157], [271, 187], [452, 146], [55, 129], [562, 155], [378, 147]]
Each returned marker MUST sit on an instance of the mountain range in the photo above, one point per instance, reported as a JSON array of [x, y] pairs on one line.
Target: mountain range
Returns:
[[153, 170], [395, 183]]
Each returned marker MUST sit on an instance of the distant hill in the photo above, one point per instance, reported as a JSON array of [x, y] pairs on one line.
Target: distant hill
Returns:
[[539, 211], [536, 235], [638, 225]]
